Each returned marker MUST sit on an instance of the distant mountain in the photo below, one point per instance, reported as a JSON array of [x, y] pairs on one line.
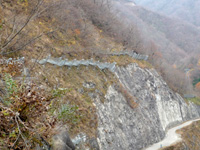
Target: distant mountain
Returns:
[[188, 10], [177, 40], [183, 34], [174, 39]]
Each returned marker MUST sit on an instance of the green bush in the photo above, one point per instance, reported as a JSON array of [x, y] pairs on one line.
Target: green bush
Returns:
[[195, 100], [58, 93], [69, 113], [195, 81], [11, 85]]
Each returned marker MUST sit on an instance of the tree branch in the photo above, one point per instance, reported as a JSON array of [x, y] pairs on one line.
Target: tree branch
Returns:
[[20, 133], [30, 41], [26, 23]]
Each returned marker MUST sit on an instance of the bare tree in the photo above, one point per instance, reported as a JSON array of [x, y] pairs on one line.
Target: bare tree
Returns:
[[14, 31]]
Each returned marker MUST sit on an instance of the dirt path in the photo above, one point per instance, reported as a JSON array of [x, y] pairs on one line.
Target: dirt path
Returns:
[[171, 136]]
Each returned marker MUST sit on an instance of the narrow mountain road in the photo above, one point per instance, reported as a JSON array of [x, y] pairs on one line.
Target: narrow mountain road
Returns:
[[171, 136]]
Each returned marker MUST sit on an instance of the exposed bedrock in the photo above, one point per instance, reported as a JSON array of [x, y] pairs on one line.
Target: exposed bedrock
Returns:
[[122, 127]]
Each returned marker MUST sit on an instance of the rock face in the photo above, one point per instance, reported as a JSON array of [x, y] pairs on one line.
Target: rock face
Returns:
[[62, 141], [121, 127]]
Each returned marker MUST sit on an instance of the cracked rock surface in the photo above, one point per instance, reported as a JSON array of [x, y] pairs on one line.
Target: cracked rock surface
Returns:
[[159, 108]]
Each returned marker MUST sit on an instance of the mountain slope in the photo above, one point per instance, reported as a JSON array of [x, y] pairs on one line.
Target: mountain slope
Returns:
[[181, 33], [64, 73], [159, 108], [187, 10], [171, 43]]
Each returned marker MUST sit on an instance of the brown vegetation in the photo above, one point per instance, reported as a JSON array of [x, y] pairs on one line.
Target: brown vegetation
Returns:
[[22, 105], [72, 29], [131, 100], [90, 27], [39, 29]]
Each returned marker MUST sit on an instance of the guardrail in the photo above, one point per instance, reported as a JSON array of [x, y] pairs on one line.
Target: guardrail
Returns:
[[100, 65], [12, 60], [70, 63]]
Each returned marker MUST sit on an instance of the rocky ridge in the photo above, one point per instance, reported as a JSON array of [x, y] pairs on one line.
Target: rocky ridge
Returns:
[[159, 108], [121, 127]]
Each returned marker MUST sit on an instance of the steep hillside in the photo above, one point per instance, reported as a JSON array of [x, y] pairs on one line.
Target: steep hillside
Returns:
[[38, 102], [170, 42], [74, 76], [187, 10], [163, 30], [131, 101], [121, 127], [180, 33]]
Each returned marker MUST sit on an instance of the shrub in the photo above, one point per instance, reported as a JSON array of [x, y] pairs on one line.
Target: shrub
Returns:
[[20, 114], [69, 113], [195, 100], [129, 98]]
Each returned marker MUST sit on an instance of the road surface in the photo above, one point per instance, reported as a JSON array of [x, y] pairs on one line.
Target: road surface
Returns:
[[171, 136]]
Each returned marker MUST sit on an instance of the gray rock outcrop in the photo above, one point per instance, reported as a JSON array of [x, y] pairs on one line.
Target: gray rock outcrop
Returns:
[[121, 127], [62, 141]]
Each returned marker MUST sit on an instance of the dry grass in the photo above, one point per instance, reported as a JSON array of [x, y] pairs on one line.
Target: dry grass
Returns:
[[73, 79], [67, 44], [177, 146], [129, 98], [125, 60], [195, 100]]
